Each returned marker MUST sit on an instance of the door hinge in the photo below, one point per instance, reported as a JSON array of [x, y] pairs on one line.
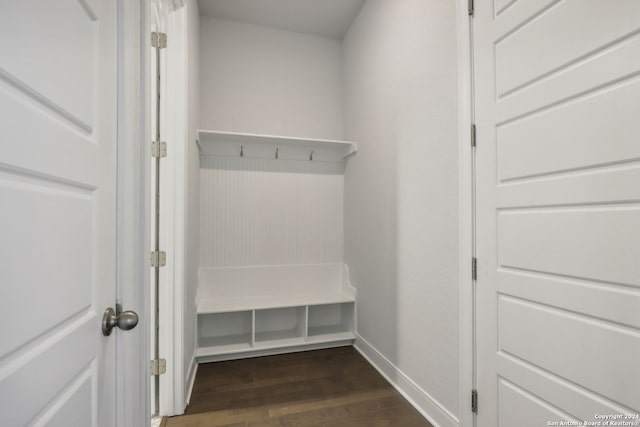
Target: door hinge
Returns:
[[470, 7], [158, 367], [158, 259], [473, 134], [474, 268], [158, 149], [158, 40], [474, 401]]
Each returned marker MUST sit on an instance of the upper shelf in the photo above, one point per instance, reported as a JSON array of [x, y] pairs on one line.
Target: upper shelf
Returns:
[[235, 144]]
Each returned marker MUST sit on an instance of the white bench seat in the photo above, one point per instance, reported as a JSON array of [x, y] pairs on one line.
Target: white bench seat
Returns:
[[229, 304], [226, 289]]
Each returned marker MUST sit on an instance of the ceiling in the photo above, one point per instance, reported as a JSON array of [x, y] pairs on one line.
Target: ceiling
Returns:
[[326, 18]]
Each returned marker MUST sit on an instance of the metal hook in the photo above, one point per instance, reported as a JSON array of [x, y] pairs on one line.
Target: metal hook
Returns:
[[311, 156], [241, 151], [276, 152]]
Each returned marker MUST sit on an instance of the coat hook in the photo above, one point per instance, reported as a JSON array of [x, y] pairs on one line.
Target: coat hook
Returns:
[[241, 151], [311, 156], [276, 152]]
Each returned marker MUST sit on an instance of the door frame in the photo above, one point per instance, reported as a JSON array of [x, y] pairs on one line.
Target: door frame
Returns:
[[173, 396], [176, 383], [133, 214], [466, 215], [466, 230]]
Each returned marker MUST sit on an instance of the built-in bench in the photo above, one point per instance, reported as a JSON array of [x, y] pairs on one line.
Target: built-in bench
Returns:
[[251, 310]]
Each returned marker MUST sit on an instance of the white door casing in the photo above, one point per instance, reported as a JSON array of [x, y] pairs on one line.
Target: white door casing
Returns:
[[557, 87], [58, 217], [132, 359]]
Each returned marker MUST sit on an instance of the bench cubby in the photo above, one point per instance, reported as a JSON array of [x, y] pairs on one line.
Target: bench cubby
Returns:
[[226, 332], [330, 320], [286, 325]]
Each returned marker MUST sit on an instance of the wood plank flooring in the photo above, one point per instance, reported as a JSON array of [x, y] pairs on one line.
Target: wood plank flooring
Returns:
[[334, 387]]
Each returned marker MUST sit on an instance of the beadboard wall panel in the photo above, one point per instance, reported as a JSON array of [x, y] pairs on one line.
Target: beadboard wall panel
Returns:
[[270, 212]]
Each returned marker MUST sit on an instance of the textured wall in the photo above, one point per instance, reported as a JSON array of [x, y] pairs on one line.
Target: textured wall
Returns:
[[261, 80], [269, 212], [401, 189]]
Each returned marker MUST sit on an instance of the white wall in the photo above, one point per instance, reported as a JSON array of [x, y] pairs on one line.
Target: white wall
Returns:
[[401, 190], [192, 192], [261, 80]]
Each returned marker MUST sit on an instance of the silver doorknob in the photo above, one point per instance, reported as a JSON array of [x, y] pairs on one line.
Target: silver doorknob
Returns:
[[125, 320]]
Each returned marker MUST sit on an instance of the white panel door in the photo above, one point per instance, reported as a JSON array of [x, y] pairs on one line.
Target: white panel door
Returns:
[[558, 210], [57, 211]]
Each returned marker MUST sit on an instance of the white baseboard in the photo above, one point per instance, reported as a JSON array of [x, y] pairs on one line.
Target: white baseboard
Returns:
[[191, 377], [274, 351], [430, 408]]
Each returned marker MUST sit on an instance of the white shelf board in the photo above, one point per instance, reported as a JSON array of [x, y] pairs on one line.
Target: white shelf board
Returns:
[[213, 136], [222, 143], [326, 330], [338, 336], [209, 304], [284, 335], [225, 349], [297, 342], [280, 342], [258, 352], [224, 344]]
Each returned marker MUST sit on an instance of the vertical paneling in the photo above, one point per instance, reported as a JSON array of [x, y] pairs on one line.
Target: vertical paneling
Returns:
[[270, 212]]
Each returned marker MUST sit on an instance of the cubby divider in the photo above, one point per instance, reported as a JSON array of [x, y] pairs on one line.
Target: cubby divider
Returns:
[[253, 328]]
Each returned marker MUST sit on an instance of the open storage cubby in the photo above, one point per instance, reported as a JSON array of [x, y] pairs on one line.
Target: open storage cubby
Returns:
[[287, 325], [330, 320], [226, 332], [243, 311]]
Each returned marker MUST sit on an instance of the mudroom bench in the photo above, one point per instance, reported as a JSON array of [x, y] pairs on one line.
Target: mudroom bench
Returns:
[[251, 311]]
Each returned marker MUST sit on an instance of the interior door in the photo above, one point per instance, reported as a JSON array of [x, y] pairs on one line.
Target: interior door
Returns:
[[57, 211], [557, 88]]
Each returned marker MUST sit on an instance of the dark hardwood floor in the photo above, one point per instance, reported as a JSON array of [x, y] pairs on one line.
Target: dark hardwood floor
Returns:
[[334, 387]]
